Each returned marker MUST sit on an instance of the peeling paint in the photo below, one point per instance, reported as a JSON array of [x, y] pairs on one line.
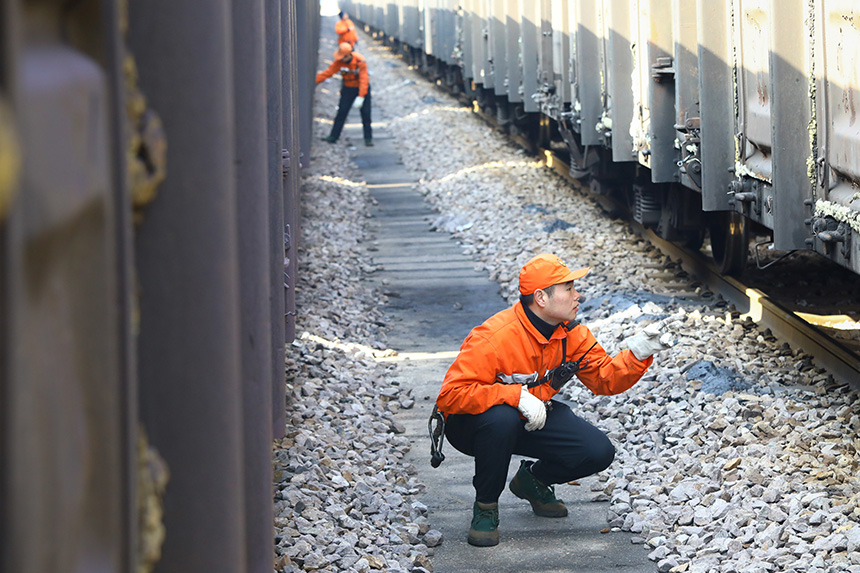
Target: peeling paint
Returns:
[[605, 123], [152, 478], [10, 158], [634, 130], [742, 170], [812, 127], [839, 212]]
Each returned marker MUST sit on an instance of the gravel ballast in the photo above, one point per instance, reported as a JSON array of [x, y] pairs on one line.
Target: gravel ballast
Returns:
[[734, 453]]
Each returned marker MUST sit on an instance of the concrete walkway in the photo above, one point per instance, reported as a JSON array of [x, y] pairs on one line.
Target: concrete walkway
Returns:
[[435, 298]]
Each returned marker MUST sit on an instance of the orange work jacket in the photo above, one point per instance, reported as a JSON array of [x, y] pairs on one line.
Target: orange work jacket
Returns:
[[507, 351], [354, 73], [345, 30]]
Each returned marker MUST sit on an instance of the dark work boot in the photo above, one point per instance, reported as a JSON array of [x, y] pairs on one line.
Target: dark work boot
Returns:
[[542, 498], [485, 525], [330, 139]]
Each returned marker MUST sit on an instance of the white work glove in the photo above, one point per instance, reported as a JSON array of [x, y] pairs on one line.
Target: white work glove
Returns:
[[359, 101], [653, 338], [533, 409]]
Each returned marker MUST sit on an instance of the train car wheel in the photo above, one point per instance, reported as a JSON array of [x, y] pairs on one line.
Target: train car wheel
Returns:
[[693, 239], [729, 242]]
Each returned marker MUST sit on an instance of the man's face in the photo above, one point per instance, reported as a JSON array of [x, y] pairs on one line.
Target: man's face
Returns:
[[563, 305], [347, 58]]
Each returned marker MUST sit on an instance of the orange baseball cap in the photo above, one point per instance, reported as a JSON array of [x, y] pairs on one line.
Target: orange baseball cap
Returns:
[[546, 270], [343, 49]]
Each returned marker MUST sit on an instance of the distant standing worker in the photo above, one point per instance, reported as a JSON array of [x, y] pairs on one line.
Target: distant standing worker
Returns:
[[355, 89], [345, 30]]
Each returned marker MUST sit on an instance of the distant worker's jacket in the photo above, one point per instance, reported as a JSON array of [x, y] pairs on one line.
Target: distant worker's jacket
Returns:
[[345, 30], [354, 73], [507, 351]]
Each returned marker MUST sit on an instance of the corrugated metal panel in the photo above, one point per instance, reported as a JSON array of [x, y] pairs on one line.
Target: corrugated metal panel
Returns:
[[618, 60], [291, 112], [392, 20], [466, 41], [530, 30], [429, 21], [716, 101], [189, 345], [839, 50], [275, 184], [654, 90], [513, 52], [498, 44], [64, 348], [791, 68], [687, 117], [752, 44], [836, 171], [546, 83], [480, 49], [409, 18], [588, 38], [249, 77], [561, 63]]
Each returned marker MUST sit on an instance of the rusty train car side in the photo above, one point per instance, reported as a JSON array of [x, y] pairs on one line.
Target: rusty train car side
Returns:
[[150, 155]]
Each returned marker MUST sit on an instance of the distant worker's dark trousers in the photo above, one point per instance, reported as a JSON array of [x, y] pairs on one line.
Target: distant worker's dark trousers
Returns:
[[567, 448], [347, 97]]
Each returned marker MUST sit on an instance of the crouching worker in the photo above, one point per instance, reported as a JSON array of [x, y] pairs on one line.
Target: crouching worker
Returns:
[[496, 396], [354, 90]]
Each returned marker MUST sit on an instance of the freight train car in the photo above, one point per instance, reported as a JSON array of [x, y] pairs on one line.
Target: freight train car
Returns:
[[150, 154], [725, 115]]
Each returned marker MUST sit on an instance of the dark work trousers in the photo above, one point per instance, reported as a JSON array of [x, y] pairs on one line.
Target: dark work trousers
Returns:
[[347, 97], [567, 447]]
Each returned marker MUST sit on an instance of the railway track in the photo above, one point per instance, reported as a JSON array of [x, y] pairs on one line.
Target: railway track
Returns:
[[810, 320]]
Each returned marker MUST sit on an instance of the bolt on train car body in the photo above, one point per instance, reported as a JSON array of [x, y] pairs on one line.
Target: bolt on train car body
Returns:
[[726, 115]]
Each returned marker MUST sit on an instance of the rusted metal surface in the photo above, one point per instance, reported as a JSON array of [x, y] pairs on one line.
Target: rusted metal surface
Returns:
[[10, 157], [275, 180], [291, 144], [308, 32], [752, 41], [249, 79], [835, 172], [141, 381], [61, 384], [188, 272]]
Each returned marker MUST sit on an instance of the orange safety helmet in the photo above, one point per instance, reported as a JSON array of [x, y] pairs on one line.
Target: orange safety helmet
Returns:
[[342, 50], [546, 270]]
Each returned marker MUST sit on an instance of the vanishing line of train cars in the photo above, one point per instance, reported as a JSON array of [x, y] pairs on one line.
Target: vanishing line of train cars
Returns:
[[150, 155], [725, 114]]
